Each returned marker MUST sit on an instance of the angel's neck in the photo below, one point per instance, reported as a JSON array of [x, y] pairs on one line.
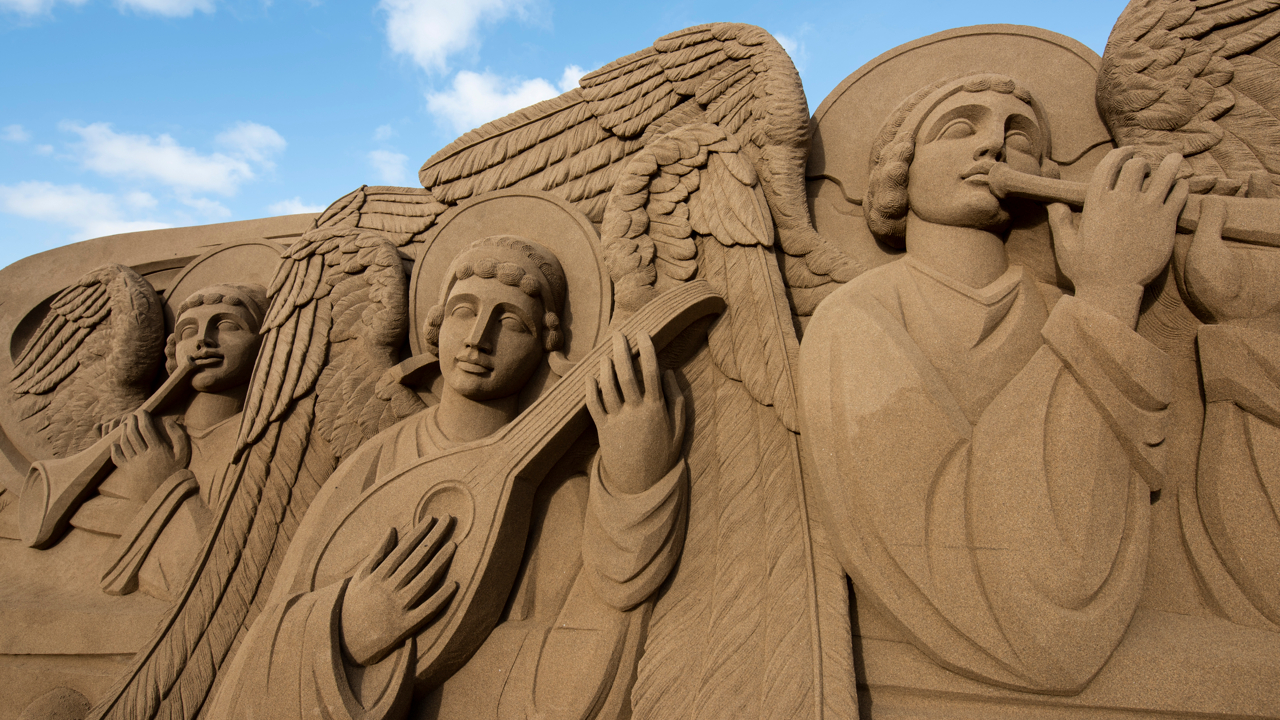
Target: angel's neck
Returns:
[[975, 257], [210, 408], [463, 420]]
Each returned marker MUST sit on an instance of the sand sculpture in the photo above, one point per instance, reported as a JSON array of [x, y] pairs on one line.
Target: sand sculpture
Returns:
[[663, 399]]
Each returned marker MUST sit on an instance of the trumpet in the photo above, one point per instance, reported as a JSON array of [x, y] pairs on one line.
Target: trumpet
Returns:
[[55, 488], [1255, 221]]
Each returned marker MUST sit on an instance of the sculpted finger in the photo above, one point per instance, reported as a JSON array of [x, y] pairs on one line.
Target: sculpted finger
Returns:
[[609, 386], [675, 406], [406, 548], [626, 369], [133, 434], [1165, 176], [593, 402], [424, 552], [1132, 174], [117, 454], [1177, 199], [1061, 219], [649, 364], [1104, 176], [432, 606], [178, 441], [379, 553], [147, 426], [431, 574]]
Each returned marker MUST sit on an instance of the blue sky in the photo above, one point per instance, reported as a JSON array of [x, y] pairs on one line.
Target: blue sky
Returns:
[[124, 115]]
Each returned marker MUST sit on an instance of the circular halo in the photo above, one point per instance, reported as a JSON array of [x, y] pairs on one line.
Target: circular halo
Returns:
[[252, 262], [1060, 72], [540, 217]]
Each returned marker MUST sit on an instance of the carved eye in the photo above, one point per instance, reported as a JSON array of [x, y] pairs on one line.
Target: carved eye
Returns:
[[229, 326], [513, 323], [187, 332], [463, 312], [956, 130]]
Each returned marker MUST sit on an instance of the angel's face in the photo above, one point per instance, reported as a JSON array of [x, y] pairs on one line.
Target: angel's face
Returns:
[[490, 339], [223, 340], [955, 148]]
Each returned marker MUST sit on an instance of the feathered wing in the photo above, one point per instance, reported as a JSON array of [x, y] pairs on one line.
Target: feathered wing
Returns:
[[338, 315], [91, 360], [1197, 77], [736, 77], [735, 632]]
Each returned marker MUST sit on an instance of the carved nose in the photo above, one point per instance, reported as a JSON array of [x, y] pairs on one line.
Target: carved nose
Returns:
[[992, 150]]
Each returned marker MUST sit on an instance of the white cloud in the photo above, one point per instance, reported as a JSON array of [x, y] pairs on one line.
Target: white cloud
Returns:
[[392, 167], [204, 206], [252, 141], [477, 98], [293, 206], [384, 133], [429, 31], [34, 7], [168, 8], [87, 212], [570, 77], [44, 149], [15, 133], [162, 159], [139, 200]]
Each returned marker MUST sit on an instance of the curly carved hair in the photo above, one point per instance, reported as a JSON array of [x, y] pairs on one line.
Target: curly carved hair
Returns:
[[885, 207], [513, 261], [251, 297]]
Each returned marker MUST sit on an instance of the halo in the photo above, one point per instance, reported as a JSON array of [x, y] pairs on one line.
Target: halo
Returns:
[[540, 217], [1060, 72], [244, 263]]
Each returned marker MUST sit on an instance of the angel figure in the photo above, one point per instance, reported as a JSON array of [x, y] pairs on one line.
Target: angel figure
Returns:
[[601, 542], [980, 451], [153, 508]]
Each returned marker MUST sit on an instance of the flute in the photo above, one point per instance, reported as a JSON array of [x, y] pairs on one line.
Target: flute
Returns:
[[1255, 221]]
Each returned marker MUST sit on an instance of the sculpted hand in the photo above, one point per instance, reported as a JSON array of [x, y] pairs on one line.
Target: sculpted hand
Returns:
[[641, 429], [145, 459], [1125, 233], [1230, 284], [384, 603]]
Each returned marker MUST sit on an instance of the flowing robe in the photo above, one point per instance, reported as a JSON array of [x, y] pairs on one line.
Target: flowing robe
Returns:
[[1233, 524], [979, 462], [567, 643]]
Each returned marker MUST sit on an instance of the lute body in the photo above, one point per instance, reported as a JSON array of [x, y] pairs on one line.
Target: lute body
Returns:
[[488, 486]]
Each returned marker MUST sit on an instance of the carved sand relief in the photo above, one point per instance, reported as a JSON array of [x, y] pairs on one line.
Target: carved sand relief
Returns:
[[602, 420]]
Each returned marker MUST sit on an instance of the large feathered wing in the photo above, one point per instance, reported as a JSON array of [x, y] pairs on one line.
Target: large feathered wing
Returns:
[[736, 630], [1197, 77], [337, 318], [91, 360]]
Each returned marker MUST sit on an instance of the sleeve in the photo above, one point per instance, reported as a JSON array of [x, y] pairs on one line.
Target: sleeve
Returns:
[[1013, 550], [631, 541], [291, 665], [1232, 525], [177, 496]]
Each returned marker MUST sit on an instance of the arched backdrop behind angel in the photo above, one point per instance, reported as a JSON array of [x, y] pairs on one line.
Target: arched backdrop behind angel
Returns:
[[690, 154]]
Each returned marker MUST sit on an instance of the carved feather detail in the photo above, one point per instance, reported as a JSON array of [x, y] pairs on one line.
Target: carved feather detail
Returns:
[[91, 360], [1197, 77]]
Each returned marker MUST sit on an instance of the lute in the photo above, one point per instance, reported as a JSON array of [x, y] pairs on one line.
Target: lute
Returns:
[[487, 486]]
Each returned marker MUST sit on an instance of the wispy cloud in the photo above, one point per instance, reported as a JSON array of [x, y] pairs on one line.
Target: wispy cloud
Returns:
[[293, 206], [168, 8], [87, 213], [34, 7], [384, 133], [392, 168], [429, 31], [162, 159], [476, 98], [15, 134]]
